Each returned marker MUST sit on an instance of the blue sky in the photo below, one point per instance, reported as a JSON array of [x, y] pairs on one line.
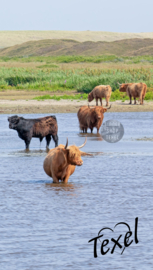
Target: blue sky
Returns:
[[78, 15]]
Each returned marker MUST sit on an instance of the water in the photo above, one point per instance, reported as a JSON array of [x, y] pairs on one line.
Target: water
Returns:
[[48, 226]]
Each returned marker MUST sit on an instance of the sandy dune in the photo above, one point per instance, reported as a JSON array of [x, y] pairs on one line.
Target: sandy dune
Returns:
[[10, 38]]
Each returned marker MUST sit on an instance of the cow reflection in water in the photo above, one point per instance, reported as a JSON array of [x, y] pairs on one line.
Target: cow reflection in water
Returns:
[[61, 161], [57, 188], [92, 136]]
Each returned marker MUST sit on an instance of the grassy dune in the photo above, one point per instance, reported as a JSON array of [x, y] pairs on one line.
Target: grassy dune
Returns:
[[65, 47], [10, 38]]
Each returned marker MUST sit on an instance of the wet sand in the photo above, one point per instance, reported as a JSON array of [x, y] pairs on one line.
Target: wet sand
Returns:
[[65, 106]]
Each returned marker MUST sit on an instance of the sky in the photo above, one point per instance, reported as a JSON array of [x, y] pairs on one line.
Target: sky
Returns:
[[132, 16]]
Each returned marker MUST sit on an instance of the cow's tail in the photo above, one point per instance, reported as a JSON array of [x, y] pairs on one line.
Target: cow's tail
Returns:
[[145, 89]]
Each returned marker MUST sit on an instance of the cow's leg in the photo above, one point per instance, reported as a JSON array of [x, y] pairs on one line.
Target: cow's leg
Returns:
[[66, 174], [27, 143], [91, 129], [101, 102], [97, 130], [141, 99], [96, 101], [135, 101], [48, 139], [130, 99], [55, 138], [55, 179], [85, 130], [66, 177]]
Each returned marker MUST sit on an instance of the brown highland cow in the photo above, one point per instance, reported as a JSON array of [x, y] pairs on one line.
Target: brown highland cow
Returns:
[[91, 117], [99, 92], [61, 161], [135, 90]]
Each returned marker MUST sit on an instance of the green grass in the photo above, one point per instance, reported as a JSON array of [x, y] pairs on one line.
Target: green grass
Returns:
[[116, 95], [149, 96], [67, 97], [48, 66], [82, 80], [50, 77], [80, 59]]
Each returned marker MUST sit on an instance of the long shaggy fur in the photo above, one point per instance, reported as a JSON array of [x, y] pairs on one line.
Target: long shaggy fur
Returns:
[[135, 90], [38, 128], [90, 117], [99, 92]]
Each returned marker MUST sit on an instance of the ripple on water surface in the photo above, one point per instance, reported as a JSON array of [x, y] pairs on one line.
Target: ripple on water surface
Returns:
[[48, 226]]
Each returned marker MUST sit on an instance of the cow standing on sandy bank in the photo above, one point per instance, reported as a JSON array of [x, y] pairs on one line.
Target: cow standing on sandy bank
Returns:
[[37, 128], [91, 117], [135, 90], [61, 161], [99, 92]]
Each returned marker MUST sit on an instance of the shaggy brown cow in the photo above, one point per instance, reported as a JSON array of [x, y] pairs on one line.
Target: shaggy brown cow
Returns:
[[38, 128], [91, 117], [99, 92], [135, 90], [61, 161]]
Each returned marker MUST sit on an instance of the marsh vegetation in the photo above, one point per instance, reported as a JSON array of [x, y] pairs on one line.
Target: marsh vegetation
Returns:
[[74, 73]]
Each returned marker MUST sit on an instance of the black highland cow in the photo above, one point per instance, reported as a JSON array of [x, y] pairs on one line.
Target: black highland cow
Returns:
[[37, 128]]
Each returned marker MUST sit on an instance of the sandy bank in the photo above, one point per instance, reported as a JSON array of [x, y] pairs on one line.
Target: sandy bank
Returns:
[[64, 106]]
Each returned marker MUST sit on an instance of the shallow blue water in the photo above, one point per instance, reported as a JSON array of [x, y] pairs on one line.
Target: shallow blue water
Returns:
[[47, 226]]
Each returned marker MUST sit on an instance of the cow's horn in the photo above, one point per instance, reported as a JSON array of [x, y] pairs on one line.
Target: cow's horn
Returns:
[[119, 83], [66, 143], [109, 107], [83, 144]]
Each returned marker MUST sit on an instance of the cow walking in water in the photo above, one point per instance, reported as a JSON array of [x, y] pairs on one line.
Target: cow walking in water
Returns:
[[61, 161], [135, 90], [37, 128]]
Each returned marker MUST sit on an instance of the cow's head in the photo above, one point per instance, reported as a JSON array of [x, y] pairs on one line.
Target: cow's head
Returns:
[[123, 87], [74, 154], [13, 121], [90, 97], [97, 113]]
